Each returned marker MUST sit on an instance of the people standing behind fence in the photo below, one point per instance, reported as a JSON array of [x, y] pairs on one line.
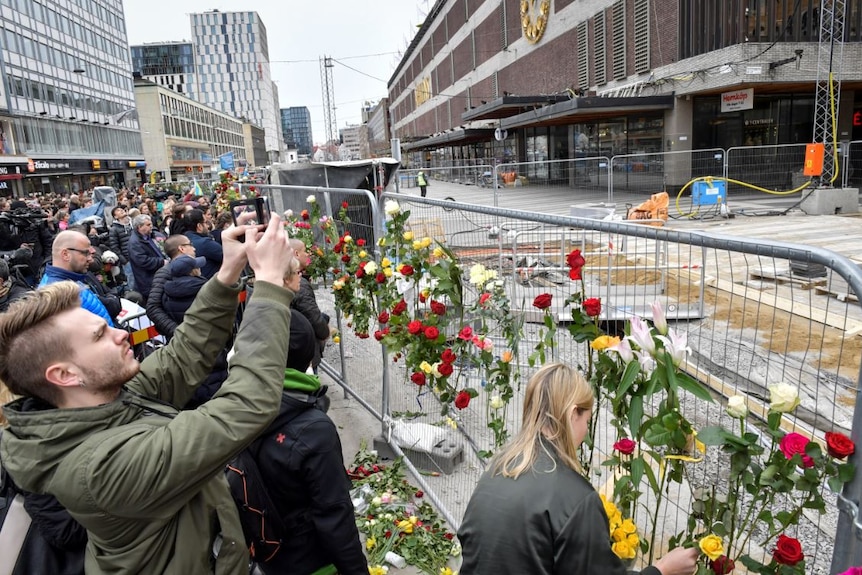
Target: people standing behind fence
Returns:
[[196, 230], [145, 254], [118, 241], [300, 460], [71, 257], [98, 430], [422, 182], [532, 510]]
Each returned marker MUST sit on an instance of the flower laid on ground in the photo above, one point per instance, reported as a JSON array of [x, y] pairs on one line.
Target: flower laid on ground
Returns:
[[773, 476], [394, 517]]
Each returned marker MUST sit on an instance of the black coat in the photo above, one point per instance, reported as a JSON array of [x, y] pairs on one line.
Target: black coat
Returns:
[[118, 240], [179, 293], [17, 291], [146, 260], [164, 323], [299, 456]]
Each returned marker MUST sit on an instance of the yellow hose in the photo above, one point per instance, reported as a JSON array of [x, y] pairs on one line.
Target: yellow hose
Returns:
[[710, 179]]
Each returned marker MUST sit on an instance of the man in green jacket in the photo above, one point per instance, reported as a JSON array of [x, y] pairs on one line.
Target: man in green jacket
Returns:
[[103, 435]]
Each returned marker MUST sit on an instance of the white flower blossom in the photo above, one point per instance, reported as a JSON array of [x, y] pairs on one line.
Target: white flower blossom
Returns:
[[676, 344], [497, 402], [737, 407], [641, 335], [311, 199], [647, 363], [624, 349], [783, 397], [288, 214], [371, 268], [658, 318], [391, 208]]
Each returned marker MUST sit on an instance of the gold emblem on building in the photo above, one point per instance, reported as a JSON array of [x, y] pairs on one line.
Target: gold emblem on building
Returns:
[[534, 18]]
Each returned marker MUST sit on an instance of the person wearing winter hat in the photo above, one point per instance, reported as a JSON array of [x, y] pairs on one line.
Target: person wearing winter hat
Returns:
[[300, 459], [183, 286]]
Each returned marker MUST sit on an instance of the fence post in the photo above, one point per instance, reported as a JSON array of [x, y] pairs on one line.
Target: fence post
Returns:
[[848, 537]]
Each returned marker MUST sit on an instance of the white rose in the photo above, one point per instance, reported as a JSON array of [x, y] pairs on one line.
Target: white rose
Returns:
[[737, 407], [391, 208], [288, 214], [496, 402], [311, 199], [783, 397], [371, 268]]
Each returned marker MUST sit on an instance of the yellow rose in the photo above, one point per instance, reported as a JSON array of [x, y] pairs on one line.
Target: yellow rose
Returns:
[[628, 527], [447, 571], [506, 357], [381, 242], [336, 339], [387, 272], [378, 570], [438, 252], [426, 367], [633, 540], [348, 239], [363, 254], [417, 245], [623, 550], [385, 263], [408, 236], [370, 543], [604, 342], [712, 547], [618, 535], [405, 526], [426, 242]]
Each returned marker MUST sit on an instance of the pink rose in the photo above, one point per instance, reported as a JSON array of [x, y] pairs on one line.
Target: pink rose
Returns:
[[625, 446], [794, 443]]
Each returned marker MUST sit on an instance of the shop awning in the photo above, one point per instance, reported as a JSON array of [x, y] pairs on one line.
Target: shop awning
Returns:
[[14, 160], [588, 108], [454, 137], [510, 106]]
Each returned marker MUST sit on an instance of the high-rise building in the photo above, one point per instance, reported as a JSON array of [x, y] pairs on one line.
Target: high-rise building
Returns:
[[232, 61], [67, 107], [296, 128], [351, 148], [168, 64]]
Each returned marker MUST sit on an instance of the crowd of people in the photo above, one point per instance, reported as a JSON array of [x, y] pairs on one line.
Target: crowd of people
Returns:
[[117, 465]]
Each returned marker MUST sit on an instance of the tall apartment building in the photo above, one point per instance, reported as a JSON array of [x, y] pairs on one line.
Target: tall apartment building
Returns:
[[351, 142], [168, 64], [296, 128], [233, 69], [67, 106]]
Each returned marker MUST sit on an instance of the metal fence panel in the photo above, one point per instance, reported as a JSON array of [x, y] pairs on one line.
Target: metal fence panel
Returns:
[[637, 176], [777, 168]]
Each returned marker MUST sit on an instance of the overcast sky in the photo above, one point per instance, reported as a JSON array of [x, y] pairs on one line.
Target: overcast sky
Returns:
[[363, 34]]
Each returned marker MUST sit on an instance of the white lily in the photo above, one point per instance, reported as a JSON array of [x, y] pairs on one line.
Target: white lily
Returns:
[[624, 349], [642, 335], [658, 318], [647, 363], [676, 344]]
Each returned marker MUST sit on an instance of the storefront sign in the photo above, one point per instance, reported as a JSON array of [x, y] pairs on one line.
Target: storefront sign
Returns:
[[4, 185], [857, 119], [737, 100], [10, 173]]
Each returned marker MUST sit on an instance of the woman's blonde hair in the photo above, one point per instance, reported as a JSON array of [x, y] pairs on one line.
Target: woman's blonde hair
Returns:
[[552, 394]]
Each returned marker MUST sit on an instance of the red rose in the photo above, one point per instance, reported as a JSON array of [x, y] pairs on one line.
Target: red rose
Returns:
[[445, 369], [794, 443], [378, 335], [575, 261], [839, 445], [592, 306], [383, 317], [422, 297], [380, 278], [466, 333], [414, 327], [431, 332], [388, 534], [362, 335], [407, 270], [438, 308], [788, 551], [625, 446], [462, 400], [344, 205], [419, 495], [418, 378], [399, 308], [449, 536], [360, 242], [448, 356], [722, 566], [484, 298], [543, 301], [360, 273], [345, 258], [304, 214], [338, 247]]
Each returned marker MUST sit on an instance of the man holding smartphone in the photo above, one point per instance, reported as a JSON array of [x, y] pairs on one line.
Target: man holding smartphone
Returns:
[[101, 432]]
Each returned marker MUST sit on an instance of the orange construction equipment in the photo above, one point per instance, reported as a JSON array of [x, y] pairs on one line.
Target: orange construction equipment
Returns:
[[652, 212], [814, 160]]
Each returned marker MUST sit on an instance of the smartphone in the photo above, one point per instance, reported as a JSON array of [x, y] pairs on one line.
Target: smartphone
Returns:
[[254, 211]]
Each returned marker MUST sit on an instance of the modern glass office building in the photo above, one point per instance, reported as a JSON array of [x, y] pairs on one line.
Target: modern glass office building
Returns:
[[232, 56], [67, 107], [168, 64], [296, 128]]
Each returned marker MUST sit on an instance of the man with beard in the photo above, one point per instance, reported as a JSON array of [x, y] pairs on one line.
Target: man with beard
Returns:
[[101, 432]]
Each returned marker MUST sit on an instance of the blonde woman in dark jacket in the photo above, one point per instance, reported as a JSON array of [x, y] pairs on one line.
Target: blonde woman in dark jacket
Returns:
[[533, 511]]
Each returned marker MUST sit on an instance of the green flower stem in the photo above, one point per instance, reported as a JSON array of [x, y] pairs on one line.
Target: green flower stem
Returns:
[[658, 497]]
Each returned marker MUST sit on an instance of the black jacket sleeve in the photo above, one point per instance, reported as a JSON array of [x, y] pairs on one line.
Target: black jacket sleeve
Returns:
[[306, 303], [115, 244], [155, 311], [54, 523]]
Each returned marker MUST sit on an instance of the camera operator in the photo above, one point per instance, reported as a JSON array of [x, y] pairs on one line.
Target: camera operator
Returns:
[[11, 288], [26, 227]]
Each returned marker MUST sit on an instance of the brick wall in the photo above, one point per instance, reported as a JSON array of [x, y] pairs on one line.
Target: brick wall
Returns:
[[489, 37], [663, 32], [549, 68]]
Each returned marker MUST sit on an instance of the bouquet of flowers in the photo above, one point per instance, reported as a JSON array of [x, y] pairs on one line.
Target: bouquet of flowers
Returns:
[[625, 541]]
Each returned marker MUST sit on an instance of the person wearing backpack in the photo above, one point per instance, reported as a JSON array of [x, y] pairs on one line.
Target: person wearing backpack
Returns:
[[299, 459]]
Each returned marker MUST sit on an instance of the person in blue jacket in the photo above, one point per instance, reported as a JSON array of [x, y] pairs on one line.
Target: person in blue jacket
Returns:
[[196, 230], [145, 254], [71, 255]]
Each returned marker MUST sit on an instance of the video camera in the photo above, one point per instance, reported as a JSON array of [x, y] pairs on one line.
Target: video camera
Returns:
[[23, 218]]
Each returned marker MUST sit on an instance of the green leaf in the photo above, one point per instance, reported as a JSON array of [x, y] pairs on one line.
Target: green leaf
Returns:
[[629, 375], [719, 529], [846, 472], [653, 481], [637, 468], [712, 435], [693, 387], [669, 370]]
